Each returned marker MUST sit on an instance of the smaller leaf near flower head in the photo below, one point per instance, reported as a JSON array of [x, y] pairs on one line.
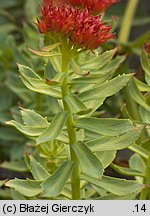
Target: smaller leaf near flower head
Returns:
[[34, 82], [43, 53], [50, 47], [106, 89], [99, 61]]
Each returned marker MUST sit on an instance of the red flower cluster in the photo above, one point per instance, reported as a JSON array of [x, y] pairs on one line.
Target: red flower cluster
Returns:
[[97, 6], [147, 47], [81, 27]]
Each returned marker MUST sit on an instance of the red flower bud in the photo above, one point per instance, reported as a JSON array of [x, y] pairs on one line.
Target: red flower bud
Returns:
[[147, 47], [97, 6]]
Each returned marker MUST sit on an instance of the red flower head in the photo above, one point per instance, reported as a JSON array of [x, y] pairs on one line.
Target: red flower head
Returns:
[[53, 2], [89, 31], [147, 47], [97, 6], [81, 27]]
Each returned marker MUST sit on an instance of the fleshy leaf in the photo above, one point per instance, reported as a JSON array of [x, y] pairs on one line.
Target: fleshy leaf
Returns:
[[55, 128], [106, 157], [116, 186], [32, 81], [44, 53], [99, 61], [28, 188], [106, 143], [31, 118], [54, 184], [126, 171], [89, 163], [143, 87], [75, 104], [106, 89], [137, 163], [27, 130], [38, 171], [105, 126], [137, 95], [131, 196]]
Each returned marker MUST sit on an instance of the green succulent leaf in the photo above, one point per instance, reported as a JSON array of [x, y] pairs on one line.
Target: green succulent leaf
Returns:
[[38, 171], [34, 124], [75, 104], [28, 188], [115, 186], [107, 143], [44, 53], [143, 87], [93, 106], [50, 47], [53, 186], [27, 130], [137, 95], [55, 128], [111, 67], [137, 163], [32, 81], [89, 163], [106, 157], [126, 171], [131, 196], [105, 126], [99, 61], [106, 89], [139, 150], [16, 195], [33, 119], [145, 116]]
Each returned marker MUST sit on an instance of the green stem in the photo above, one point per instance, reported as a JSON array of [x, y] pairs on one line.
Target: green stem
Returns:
[[139, 150], [127, 21], [75, 182]]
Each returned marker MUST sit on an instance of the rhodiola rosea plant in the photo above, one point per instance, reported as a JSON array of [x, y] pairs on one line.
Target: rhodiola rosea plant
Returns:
[[76, 144]]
